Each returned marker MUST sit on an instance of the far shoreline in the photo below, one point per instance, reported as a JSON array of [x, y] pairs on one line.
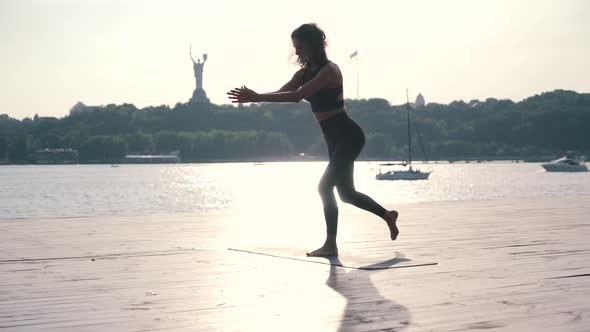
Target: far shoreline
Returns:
[[298, 159]]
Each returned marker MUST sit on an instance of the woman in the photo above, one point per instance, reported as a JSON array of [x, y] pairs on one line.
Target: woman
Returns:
[[319, 81]]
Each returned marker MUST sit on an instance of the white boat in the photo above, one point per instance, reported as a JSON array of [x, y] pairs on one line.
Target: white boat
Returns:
[[568, 163], [409, 174], [404, 174]]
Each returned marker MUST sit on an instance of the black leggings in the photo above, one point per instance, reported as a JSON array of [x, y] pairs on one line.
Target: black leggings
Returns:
[[345, 141]]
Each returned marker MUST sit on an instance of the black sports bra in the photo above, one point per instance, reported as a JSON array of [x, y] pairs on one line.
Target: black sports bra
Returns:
[[325, 99]]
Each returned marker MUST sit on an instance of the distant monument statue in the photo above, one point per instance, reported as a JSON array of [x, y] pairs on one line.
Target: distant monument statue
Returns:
[[199, 95]]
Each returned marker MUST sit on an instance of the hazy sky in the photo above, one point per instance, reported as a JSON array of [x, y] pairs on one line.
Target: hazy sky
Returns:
[[54, 53]]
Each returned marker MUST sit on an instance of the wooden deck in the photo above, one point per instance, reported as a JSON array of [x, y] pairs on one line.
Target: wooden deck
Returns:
[[458, 266]]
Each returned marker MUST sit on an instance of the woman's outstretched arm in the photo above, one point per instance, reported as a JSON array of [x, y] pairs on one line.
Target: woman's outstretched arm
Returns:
[[246, 95], [294, 83]]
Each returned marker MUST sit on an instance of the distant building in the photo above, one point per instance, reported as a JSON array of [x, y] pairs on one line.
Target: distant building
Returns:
[[474, 103], [171, 158], [37, 118], [55, 156], [80, 107], [420, 102]]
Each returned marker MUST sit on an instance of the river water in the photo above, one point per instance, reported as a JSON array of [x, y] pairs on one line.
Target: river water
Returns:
[[56, 191]]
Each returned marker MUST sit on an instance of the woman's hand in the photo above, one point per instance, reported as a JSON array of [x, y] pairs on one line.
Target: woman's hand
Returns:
[[243, 95]]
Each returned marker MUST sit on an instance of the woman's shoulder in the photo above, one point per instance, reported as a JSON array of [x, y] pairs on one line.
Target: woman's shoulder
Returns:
[[332, 68], [332, 65], [300, 72], [328, 67]]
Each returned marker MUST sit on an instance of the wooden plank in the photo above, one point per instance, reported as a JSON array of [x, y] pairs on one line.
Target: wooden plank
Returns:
[[502, 265]]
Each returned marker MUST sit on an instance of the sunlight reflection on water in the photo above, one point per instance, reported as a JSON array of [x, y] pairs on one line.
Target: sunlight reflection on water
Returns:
[[267, 189]]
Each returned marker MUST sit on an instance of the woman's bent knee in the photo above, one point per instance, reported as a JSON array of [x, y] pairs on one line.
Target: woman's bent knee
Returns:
[[347, 195], [325, 189]]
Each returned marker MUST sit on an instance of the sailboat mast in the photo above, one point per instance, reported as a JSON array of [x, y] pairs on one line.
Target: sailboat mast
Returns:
[[409, 134]]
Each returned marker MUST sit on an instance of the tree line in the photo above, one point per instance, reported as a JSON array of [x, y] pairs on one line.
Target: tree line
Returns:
[[536, 127]]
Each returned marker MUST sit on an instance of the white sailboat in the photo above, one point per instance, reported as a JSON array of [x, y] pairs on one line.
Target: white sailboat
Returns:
[[403, 174]]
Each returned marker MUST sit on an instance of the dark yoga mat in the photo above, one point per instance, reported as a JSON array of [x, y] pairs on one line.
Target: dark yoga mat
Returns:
[[397, 261]]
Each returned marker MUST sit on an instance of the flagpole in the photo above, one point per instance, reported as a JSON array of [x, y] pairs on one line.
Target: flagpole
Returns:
[[357, 77], [355, 56]]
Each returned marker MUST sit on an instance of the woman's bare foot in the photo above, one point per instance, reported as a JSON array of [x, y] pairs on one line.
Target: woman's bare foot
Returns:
[[324, 251], [390, 218]]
